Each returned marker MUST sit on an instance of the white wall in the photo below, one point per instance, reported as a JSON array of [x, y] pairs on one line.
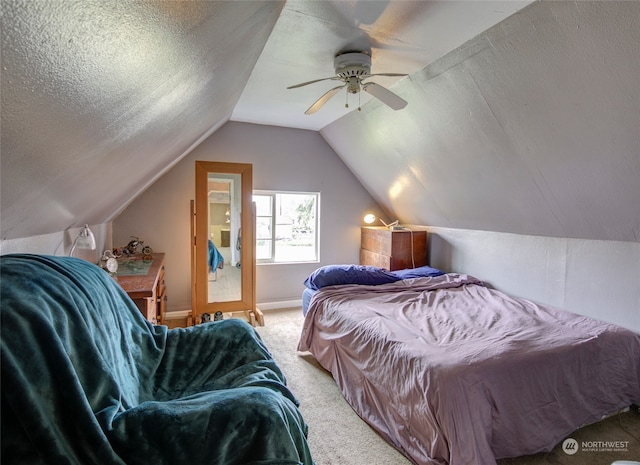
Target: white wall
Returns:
[[600, 279], [60, 243], [283, 159]]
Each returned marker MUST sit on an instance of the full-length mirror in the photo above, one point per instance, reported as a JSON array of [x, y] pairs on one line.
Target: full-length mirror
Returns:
[[224, 251]]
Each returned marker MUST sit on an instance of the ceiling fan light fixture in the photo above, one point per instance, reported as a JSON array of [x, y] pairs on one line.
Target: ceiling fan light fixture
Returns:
[[353, 85]]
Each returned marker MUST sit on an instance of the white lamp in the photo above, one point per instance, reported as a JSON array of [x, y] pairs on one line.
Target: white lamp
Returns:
[[84, 240], [370, 218]]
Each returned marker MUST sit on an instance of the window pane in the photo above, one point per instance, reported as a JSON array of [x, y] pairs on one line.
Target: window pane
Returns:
[[263, 249], [263, 205], [286, 226], [295, 227], [263, 228]]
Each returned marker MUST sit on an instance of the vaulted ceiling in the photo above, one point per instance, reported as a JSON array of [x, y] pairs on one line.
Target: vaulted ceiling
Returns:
[[99, 99]]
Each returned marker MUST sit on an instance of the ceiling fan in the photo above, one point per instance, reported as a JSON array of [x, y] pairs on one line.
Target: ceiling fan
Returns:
[[353, 69]]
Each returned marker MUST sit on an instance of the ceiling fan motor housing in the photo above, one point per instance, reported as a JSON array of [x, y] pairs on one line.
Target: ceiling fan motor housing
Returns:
[[352, 65]]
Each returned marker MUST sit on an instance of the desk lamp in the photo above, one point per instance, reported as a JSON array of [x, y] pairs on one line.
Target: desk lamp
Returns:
[[370, 218]]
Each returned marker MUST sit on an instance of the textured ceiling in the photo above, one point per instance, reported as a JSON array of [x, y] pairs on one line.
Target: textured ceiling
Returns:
[[100, 98], [529, 127]]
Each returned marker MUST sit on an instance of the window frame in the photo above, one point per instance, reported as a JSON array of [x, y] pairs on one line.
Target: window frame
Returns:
[[273, 194]]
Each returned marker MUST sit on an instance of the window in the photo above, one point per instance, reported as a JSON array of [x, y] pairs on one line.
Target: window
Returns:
[[286, 226]]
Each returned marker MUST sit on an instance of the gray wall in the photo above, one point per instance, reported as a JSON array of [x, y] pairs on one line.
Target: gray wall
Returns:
[[283, 159], [590, 277]]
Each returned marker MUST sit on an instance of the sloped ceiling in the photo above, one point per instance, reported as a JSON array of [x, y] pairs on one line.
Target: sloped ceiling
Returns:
[[529, 127], [533, 128], [99, 98]]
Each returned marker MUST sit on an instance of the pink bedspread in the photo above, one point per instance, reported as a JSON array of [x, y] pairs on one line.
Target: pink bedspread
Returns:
[[452, 372]]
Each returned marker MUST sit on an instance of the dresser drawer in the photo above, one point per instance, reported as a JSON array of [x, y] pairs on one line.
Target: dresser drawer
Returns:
[[367, 257], [393, 250], [376, 240]]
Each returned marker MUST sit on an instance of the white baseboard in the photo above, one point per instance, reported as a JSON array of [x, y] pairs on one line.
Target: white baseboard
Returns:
[[175, 314], [282, 304]]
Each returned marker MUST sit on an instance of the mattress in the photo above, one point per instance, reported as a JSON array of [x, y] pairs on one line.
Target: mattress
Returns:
[[307, 295], [452, 372]]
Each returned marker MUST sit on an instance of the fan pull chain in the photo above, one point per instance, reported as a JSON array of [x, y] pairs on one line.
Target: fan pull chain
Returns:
[[346, 101]]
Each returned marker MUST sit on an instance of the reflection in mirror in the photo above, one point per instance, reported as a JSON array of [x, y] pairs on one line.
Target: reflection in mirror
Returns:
[[224, 246]]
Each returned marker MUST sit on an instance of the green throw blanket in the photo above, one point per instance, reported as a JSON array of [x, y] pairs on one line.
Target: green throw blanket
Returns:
[[87, 380]]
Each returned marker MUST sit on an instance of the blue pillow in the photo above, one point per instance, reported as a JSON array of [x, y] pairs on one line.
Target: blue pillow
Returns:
[[420, 272], [332, 275]]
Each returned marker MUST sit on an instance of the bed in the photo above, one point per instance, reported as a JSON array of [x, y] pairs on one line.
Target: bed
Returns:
[[86, 379], [450, 371]]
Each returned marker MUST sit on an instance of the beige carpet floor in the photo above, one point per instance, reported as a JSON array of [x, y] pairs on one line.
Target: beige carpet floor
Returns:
[[337, 435]]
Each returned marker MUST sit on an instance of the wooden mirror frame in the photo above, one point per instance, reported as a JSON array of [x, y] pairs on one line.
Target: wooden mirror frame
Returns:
[[201, 236]]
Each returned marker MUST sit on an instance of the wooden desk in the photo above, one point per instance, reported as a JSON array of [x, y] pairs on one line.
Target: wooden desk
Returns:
[[146, 289]]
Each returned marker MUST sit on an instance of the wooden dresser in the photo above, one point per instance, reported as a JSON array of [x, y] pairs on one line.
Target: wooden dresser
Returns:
[[393, 250], [143, 280]]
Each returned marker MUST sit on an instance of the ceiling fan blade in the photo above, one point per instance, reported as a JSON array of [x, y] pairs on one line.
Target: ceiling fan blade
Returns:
[[322, 100], [315, 80], [385, 74], [385, 96]]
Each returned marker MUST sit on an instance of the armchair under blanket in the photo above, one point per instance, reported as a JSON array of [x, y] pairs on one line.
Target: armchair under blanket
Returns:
[[86, 379]]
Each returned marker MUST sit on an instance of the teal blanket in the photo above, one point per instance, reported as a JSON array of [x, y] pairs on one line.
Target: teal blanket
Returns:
[[87, 380]]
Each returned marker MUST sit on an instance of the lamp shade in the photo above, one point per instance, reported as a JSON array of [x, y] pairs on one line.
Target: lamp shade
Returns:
[[369, 218], [84, 240]]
